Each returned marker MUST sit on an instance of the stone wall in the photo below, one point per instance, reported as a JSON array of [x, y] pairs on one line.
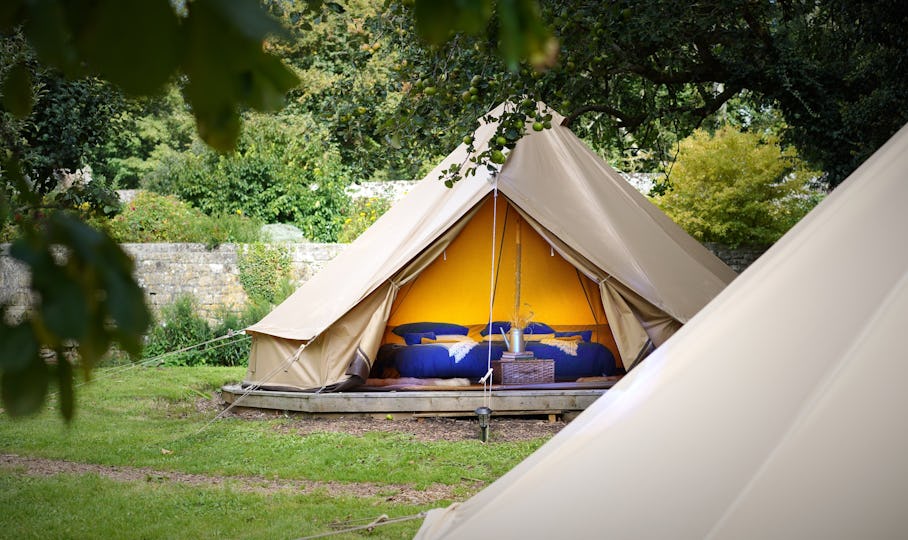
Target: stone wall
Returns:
[[165, 271], [738, 258]]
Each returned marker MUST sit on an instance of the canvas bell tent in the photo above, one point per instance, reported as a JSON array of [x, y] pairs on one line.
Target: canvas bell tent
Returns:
[[777, 412], [595, 251]]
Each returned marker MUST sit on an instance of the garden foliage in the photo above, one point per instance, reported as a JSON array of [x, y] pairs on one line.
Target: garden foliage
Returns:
[[181, 326], [362, 215], [738, 188], [263, 269], [157, 218], [283, 171]]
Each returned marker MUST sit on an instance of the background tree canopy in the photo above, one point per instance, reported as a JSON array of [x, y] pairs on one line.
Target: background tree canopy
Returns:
[[635, 77]]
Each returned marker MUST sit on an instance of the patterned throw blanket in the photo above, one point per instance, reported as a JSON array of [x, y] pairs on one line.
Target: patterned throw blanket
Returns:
[[568, 347], [458, 351]]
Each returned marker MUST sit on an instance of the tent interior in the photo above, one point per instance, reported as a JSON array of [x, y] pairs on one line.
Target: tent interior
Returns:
[[474, 280]]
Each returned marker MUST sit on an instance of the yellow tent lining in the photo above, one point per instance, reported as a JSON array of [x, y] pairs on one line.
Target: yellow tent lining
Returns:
[[455, 287]]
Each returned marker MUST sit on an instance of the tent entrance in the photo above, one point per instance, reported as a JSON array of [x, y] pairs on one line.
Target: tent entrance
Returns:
[[455, 287]]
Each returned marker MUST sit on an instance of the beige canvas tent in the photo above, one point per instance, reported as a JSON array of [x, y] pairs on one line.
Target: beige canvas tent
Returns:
[[647, 275], [777, 412]]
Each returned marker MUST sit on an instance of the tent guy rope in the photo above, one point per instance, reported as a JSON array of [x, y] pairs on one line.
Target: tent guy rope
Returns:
[[379, 521]]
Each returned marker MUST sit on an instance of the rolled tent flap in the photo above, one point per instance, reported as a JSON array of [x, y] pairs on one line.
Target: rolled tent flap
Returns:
[[629, 316], [355, 337], [310, 366]]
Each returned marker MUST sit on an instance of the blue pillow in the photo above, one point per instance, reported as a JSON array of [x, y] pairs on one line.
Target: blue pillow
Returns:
[[415, 338], [585, 335], [538, 328], [437, 327], [497, 328]]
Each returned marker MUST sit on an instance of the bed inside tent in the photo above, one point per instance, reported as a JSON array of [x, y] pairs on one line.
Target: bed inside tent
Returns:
[[439, 323]]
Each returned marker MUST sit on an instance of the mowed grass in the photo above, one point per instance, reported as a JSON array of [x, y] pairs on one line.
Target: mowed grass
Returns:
[[148, 417], [87, 506]]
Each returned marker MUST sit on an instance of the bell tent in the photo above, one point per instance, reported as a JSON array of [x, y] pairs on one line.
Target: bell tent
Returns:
[[594, 251], [777, 412]]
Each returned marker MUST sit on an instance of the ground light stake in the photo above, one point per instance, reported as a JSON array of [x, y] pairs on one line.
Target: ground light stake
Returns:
[[484, 414]]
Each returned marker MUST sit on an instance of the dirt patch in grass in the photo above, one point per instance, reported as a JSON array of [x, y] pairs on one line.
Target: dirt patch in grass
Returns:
[[389, 492], [502, 429]]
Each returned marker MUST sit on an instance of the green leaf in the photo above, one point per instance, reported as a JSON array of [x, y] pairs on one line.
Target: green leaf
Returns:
[[49, 34], [270, 83], [335, 7], [17, 91], [435, 21], [18, 345], [94, 345], [247, 16], [65, 383], [64, 307], [217, 126], [23, 391], [121, 36], [226, 70], [11, 14]]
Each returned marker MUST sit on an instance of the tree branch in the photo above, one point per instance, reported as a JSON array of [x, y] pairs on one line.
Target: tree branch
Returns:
[[629, 122]]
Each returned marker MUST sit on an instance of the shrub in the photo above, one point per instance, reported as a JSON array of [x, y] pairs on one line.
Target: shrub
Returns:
[[157, 218], [263, 269], [181, 327], [282, 172], [361, 215], [738, 188]]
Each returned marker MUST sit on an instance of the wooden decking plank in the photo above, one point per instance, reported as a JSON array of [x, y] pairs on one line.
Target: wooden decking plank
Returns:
[[503, 401]]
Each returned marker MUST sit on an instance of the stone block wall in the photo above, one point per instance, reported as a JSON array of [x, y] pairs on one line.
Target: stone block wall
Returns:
[[165, 271], [738, 258]]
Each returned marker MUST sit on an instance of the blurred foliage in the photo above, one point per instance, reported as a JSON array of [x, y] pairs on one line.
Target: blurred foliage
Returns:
[[87, 300], [350, 86], [139, 46], [362, 215], [151, 217], [738, 188], [55, 115], [282, 171]]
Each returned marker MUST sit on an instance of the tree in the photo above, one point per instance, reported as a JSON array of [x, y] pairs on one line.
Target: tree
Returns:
[[638, 76], [737, 188], [86, 297]]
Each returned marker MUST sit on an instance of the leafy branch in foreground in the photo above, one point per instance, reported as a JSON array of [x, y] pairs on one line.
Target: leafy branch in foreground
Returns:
[[85, 297], [82, 277]]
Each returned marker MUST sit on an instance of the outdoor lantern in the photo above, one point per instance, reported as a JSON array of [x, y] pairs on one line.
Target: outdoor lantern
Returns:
[[484, 414]]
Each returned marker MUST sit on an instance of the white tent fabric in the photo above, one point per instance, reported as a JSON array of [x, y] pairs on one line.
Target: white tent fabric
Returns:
[[777, 412], [654, 277]]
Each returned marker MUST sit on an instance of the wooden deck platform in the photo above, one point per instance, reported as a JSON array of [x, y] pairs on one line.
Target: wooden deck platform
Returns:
[[541, 400]]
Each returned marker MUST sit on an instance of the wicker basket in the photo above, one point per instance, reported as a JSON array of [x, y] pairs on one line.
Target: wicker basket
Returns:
[[523, 371]]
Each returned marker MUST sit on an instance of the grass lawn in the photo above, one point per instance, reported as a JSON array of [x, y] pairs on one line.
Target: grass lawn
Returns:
[[148, 418]]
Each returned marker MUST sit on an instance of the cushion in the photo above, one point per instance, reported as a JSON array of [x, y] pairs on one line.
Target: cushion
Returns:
[[415, 338], [538, 337], [437, 327], [497, 327], [538, 328], [584, 335], [450, 338]]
